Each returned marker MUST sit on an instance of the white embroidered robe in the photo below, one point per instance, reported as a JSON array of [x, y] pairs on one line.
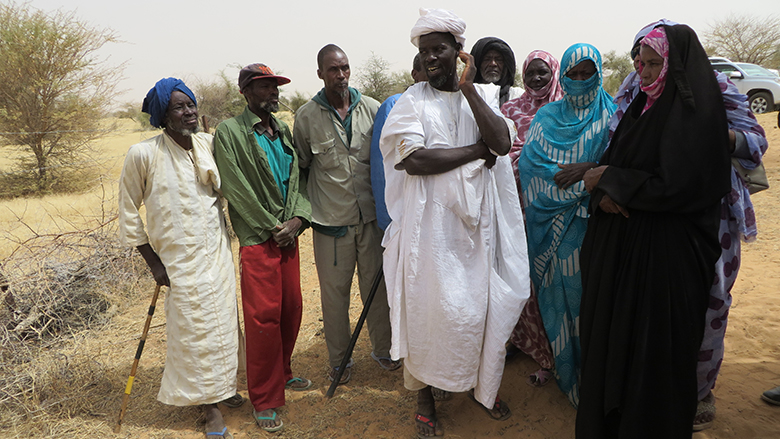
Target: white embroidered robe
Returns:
[[455, 260], [186, 228]]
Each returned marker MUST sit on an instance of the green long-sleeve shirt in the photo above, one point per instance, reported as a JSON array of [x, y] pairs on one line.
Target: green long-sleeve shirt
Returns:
[[255, 201]]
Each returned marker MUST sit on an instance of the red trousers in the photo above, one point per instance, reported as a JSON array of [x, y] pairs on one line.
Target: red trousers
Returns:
[[271, 296]]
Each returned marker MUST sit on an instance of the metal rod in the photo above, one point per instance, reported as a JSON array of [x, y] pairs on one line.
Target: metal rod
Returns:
[[355, 334]]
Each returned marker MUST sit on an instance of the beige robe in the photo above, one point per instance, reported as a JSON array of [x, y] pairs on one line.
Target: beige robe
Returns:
[[187, 230]]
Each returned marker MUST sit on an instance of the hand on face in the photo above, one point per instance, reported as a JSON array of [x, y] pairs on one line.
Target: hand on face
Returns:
[[469, 72]]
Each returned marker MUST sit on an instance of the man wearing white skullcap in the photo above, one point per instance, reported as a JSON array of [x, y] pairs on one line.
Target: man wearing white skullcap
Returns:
[[455, 260]]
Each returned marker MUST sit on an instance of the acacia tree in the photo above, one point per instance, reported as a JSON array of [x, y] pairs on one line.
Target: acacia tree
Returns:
[[374, 78], [219, 100], [294, 102], [55, 88], [616, 67], [744, 38]]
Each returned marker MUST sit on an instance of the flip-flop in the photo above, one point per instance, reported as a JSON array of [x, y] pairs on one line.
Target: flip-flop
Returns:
[[234, 401], [539, 378], [345, 377], [394, 364], [498, 405], [429, 421], [224, 434], [268, 418], [307, 385]]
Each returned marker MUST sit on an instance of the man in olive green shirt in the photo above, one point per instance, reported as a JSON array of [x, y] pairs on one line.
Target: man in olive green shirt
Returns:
[[269, 209], [333, 138]]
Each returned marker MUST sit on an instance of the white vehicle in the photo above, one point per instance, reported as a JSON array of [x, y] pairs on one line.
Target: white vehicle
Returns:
[[761, 86]]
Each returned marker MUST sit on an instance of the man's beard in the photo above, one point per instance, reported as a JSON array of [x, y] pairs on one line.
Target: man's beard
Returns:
[[187, 132], [438, 81], [492, 78], [269, 106]]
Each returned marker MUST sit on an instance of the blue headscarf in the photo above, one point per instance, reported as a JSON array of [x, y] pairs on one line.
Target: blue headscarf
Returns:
[[572, 130], [156, 101]]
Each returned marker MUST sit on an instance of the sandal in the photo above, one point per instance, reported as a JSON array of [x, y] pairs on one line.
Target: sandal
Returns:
[[345, 377], [391, 364], [705, 413], [499, 407], [429, 421], [224, 434], [268, 418], [539, 378], [234, 401], [306, 384]]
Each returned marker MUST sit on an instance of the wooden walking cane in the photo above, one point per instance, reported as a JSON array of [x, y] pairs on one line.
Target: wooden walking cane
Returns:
[[138, 352], [355, 334]]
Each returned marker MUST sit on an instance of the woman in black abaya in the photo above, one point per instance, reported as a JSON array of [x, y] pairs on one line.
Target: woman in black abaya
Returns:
[[650, 249]]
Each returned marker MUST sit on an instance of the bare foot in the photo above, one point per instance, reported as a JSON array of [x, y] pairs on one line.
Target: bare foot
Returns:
[[425, 418], [214, 421], [268, 420], [440, 395]]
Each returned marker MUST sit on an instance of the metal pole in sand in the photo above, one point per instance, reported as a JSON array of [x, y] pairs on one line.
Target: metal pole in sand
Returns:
[[355, 334]]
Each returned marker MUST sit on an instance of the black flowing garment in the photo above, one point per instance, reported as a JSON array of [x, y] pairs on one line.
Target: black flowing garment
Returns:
[[646, 278]]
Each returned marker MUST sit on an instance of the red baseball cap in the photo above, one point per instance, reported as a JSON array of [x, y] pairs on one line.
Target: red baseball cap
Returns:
[[258, 71]]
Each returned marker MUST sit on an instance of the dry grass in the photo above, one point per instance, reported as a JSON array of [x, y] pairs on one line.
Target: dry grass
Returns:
[[68, 276], [61, 285]]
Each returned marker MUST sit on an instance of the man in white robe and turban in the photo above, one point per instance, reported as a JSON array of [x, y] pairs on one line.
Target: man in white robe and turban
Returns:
[[187, 249], [455, 260]]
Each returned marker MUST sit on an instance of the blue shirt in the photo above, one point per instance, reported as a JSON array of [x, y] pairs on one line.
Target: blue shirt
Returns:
[[278, 159], [377, 164]]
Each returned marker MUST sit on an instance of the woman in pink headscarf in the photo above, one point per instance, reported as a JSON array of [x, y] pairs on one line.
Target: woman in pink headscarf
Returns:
[[540, 73]]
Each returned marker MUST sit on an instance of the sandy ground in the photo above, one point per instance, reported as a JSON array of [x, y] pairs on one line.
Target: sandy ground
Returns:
[[375, 404]]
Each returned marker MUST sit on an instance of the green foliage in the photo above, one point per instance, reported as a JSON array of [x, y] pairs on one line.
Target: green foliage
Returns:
[[55, 90], [400, 80], [133, 111], [219, 100], [616, 67], [744, 38], [377, 81], [294, 102], [374, 79]]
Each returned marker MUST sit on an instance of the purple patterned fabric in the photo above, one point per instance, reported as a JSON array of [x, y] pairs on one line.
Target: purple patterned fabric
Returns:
[[737, 223]]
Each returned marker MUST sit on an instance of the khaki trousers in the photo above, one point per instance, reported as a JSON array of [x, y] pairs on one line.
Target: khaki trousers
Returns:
[[335, 259]]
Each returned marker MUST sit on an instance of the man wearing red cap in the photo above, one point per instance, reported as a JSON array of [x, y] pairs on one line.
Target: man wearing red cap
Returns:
[[261, 181]]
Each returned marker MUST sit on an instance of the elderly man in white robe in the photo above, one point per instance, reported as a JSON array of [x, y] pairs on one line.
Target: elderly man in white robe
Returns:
[[188, 249], [455, 261]]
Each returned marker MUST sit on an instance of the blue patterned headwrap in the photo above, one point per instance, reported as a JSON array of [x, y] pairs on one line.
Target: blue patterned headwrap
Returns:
[[156, 101], [581, 94], [572, 130]]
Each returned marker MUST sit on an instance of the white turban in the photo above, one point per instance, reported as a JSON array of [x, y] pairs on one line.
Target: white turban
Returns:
[[438, 20]]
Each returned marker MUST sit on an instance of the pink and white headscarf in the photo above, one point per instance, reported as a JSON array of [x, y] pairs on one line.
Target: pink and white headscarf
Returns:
[[523, 109], [657, 41]]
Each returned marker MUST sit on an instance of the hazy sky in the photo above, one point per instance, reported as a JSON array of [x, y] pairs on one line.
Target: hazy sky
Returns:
[[196, 40]]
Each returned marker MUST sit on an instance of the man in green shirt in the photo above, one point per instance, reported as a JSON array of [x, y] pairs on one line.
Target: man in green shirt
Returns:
[[269, 208], [333, 138]]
